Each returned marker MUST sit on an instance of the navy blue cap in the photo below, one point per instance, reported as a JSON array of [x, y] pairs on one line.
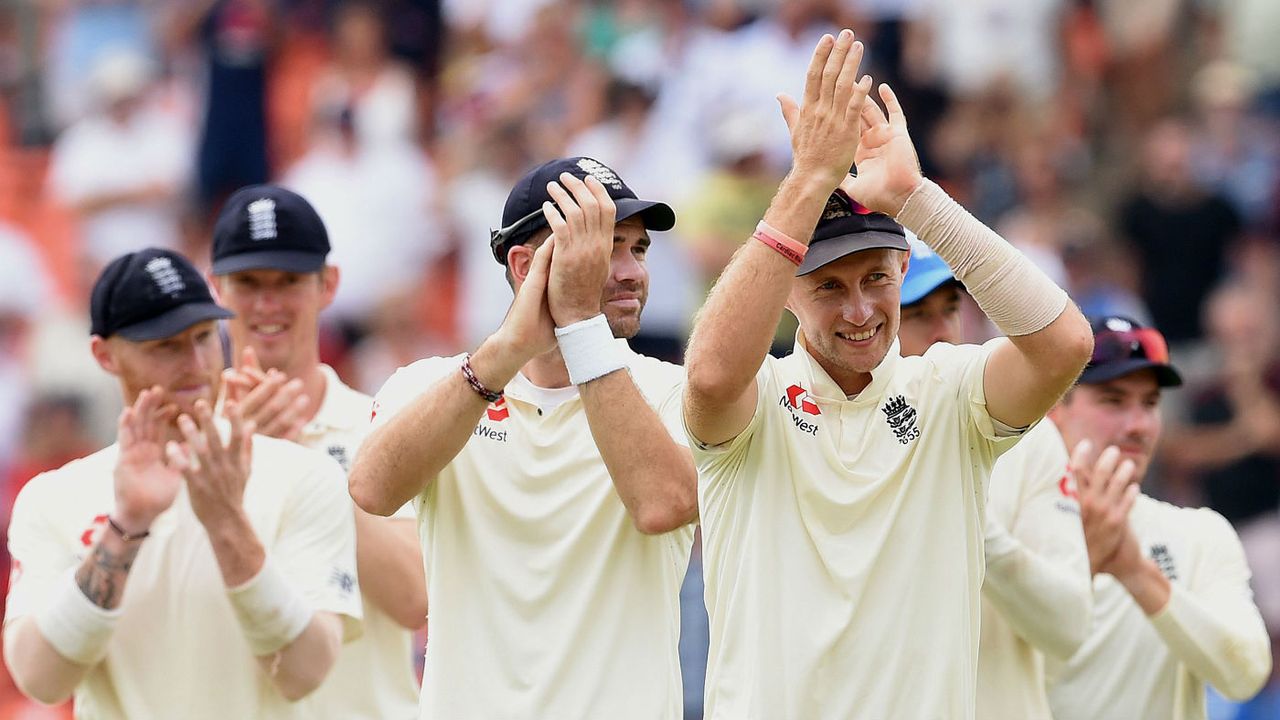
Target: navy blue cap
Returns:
[[927, 273], [1121, 346], [149, 295], [522, 215], [846, 228], [266, 227]]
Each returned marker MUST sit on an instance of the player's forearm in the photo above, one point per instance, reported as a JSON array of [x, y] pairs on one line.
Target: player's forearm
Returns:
[[654, 475], [1046, 602], [735, 328], [236, 547], [398, 459], [37, 668], [1224, 643], [301, 666], [389, 562], [1051, 339]]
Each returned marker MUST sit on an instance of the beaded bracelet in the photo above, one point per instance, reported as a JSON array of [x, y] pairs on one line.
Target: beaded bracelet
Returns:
[[475, 383]]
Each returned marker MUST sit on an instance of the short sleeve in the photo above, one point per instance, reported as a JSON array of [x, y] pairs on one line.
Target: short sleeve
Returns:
[[39, 555], [316, 547], [709, 455], [406, 384], [968, 364]]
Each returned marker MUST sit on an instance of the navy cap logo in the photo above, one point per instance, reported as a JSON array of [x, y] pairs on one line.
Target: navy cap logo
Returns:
[[262, 219], [601, 172], [165, 276]]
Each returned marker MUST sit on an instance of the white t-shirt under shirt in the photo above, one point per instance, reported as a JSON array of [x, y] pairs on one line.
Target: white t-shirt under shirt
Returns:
[[374, 678], [1034, 545], [546, 601], [843, 542], [178, 650], [1133, 667]]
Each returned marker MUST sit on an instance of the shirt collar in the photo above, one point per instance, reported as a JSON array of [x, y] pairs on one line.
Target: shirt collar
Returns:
[[337, 411], [825, 388]]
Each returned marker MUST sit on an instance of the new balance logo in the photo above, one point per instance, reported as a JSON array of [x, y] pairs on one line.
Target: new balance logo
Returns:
[[901, 418]]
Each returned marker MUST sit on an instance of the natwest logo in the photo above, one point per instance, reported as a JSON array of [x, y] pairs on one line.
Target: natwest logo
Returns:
[[498, 411], [798, 399]]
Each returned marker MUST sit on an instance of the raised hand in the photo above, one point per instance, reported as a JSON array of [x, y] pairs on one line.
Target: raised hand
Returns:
[[216, 472], [528, 328], [276, 404], [888, 168], [825, 128], [581, 221], [1107, 493], [144, 485]]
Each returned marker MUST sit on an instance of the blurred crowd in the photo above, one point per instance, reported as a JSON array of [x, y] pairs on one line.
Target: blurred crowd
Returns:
[[1131, 149]]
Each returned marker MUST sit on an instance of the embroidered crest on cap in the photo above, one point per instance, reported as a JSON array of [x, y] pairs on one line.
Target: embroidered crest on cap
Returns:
[[262, 219], [1119, 325], [599, 171], [165, 275]]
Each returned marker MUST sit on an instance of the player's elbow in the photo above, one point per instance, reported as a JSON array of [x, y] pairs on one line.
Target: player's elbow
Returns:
[[1248, 674], [712, 383], [1072, 350], [675, 511], [1071, 630], [41, 689], [411, 614], [365, 493]]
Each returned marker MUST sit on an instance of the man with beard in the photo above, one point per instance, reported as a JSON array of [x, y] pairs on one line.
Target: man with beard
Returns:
[[191, 569], [553, 501]]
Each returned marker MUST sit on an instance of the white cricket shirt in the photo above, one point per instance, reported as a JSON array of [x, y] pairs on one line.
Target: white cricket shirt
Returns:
[[1133, 667], [546, 601], [843, 542], [178, 650], [1034, 505], [374, 677]]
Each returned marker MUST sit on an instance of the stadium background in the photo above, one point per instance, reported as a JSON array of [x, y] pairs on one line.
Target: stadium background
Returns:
[[1131, 149]]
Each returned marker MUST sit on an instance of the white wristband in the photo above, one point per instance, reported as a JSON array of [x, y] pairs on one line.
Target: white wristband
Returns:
[[590, 350], [73, 625], [271, 612]]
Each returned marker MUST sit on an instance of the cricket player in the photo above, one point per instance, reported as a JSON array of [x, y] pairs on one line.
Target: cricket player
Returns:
[[1036, 596], [191, 569], [1172, 607], [553, 499], [841, 488], [269, 268]]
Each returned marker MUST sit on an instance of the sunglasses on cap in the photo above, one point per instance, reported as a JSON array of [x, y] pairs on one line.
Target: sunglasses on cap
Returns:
[[499, 238], [1142, 343]]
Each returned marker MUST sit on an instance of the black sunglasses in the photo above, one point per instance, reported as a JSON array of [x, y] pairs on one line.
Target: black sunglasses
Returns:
[[499, 238]]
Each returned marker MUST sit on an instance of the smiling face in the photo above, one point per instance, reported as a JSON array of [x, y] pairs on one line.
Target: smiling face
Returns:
[[188, 366], [1124, 412], [848, 311], [277, 314]]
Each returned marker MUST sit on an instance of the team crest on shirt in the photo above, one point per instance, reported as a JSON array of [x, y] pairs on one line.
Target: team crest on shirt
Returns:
[[1163, 559], [339, 453], [901, 418], [798, 403]]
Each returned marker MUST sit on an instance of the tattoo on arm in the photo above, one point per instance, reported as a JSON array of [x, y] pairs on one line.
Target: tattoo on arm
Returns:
[[101, 577]]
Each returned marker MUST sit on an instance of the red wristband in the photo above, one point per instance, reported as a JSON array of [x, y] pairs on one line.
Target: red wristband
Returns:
[[788, 247]]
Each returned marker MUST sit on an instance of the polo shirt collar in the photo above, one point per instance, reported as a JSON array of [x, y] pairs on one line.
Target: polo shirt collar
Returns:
[[825, 388]]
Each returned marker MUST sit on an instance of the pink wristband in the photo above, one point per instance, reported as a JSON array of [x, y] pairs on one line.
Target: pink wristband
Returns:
[[787, 247]]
